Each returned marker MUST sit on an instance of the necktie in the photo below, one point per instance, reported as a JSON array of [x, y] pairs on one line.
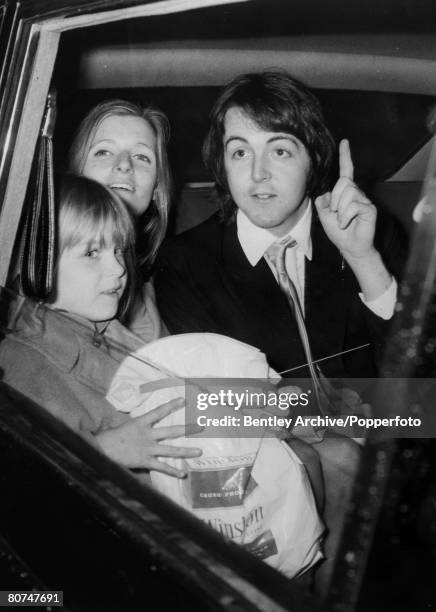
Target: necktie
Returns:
[[276, 255]]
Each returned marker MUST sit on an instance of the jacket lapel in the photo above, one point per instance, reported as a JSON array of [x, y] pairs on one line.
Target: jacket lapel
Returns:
[[325, 295]]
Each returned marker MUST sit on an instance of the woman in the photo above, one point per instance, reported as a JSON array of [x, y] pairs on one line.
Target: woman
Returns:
[[123, 146]]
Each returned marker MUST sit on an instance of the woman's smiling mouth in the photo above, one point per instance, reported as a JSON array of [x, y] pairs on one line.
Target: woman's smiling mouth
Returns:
[[123, 187]]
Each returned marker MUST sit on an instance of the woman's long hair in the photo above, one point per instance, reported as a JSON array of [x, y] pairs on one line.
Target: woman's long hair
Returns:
[[152, 225]]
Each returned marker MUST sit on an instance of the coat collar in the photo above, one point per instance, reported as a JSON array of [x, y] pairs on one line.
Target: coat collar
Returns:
[[71, 343]]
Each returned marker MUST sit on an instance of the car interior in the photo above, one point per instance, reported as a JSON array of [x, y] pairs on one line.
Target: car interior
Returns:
[[368, 85], [375, 76]]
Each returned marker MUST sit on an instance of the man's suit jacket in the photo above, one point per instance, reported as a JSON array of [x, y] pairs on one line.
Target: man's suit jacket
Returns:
[[204, 283]]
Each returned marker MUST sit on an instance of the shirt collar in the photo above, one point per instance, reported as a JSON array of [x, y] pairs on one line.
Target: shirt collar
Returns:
[[255, 241]]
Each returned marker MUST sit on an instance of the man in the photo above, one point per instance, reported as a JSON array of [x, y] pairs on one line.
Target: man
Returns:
[[271, 155]]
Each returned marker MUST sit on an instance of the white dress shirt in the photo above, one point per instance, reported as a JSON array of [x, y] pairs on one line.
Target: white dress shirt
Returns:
[[255, 241]]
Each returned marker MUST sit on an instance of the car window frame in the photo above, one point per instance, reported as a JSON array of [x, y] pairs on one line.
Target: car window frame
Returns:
[[32, 59]]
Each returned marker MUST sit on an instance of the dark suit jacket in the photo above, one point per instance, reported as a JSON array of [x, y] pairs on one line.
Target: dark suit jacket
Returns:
[[204, 283]]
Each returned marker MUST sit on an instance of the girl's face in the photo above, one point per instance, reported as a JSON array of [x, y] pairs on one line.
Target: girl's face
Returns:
[[122, 156], [91, 278]]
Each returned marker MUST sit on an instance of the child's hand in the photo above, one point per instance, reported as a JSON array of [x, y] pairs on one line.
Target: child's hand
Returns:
[[137, 443]]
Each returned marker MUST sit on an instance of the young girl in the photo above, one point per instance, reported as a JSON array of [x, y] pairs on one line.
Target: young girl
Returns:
[[63, 354]]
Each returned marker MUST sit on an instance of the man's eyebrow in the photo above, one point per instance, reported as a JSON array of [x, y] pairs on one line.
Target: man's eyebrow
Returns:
[[290, 137], [280, 136], [231, 138]]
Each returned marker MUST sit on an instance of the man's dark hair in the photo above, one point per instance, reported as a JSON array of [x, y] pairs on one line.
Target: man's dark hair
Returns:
[[276, 102]]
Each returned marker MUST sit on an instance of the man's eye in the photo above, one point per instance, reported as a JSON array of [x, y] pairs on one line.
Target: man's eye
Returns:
[[282, 152], [239, 154]]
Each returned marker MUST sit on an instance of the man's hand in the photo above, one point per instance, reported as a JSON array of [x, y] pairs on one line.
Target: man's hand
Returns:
[[346, 214], [137, 443], [348, 219]]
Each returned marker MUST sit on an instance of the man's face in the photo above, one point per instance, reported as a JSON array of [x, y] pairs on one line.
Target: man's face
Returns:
[[267, 172]]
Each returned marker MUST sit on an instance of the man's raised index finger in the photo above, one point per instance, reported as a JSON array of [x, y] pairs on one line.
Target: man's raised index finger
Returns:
[[346, 168]]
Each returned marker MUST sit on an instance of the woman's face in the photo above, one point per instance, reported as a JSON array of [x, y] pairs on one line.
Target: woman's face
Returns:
[[122, 156]]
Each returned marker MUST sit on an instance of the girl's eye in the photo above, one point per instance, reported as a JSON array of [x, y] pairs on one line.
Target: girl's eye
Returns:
[[92, 254]]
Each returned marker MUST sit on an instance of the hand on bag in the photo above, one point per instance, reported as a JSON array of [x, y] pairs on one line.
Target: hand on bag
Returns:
[[137, 443]]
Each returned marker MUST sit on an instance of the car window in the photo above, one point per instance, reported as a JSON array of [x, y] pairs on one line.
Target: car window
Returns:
[[386, 129]]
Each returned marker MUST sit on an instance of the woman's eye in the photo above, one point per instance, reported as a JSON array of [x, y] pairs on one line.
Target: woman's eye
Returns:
[[102, 153], [142, 157], [92, 254]]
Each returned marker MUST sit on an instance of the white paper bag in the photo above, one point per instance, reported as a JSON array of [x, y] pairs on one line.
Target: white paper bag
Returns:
[[254, 491]]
